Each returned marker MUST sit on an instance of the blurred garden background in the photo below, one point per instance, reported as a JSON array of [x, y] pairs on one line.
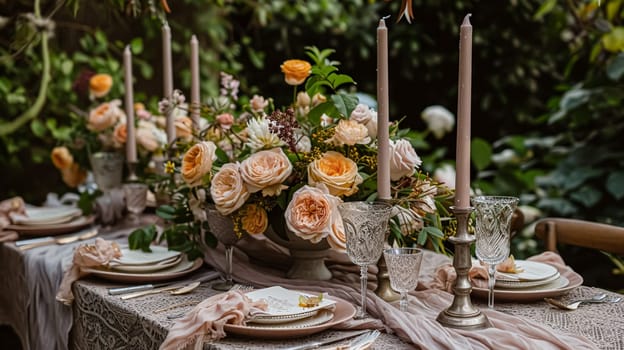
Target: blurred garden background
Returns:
[[547, 95]]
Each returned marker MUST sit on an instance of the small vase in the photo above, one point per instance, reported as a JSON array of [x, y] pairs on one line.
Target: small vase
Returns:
[[107, 168], [308, 259]]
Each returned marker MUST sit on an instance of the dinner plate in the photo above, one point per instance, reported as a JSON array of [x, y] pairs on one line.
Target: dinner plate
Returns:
[[532, 271], [139, 257], [53, 229], [45, 215], [505, 284], [148, 268], [319, 317], [344, 311], [555, 288], [183, 268], [284, 302]]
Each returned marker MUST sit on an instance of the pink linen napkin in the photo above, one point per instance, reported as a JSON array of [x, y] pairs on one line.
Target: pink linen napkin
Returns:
[[207, 320], [7, 206], [86, 255]]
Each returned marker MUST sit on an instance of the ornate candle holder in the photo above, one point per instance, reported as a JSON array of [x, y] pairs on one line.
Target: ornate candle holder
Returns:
[[384, 290], [462, 314], [132, 177]]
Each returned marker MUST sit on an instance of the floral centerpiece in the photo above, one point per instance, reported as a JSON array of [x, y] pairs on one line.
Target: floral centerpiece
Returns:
[[287, 169]]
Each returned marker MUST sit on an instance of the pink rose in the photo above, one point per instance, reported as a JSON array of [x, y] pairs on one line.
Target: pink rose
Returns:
[[403, 159], [312, 214], [225, 120], [266, 171]]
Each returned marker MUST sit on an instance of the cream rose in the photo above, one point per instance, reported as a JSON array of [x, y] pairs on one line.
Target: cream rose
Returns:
[[255, 219], [296, 71], [266, 171], [403, 159], [120, 134], [62, 158], [439, 120], [337, 172], [105, 115], [100, 85], [446, 175], [367, 117], [258, 103], [149, 137], [184, 127], [312, 213], [228, 190], [197, 162], [349, 132]]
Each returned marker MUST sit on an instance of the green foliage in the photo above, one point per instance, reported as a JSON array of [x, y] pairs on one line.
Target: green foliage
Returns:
[[142, 238]]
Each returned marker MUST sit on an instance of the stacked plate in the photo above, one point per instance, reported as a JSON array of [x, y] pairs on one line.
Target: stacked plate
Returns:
[[140, 266], [49, 220], [284, 318], [533, 275]]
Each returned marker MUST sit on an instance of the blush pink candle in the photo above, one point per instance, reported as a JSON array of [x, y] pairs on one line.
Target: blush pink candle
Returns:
[[131, 152], [383, 111], [195, 99], [168, 78], [462, 184]]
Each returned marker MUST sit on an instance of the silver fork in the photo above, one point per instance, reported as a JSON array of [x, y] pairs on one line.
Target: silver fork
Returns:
[[241, 287]]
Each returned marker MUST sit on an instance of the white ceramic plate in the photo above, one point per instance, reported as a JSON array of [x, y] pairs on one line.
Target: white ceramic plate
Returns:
[[45, 215], [53, 229], [183, 268], [139, 257], [504, 284], [532, 271], [284, 302], [344, 311], [319, 317], [555, 288], [148, 268]]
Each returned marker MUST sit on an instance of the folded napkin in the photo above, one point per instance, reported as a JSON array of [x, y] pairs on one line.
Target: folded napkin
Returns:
[[86, 255], [207, 320], [8, 206]]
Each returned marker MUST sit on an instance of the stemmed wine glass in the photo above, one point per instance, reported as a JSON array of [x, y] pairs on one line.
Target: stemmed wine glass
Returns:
[[403, 268], [492, 224], [222, 228], [365, 226], [135, 195]]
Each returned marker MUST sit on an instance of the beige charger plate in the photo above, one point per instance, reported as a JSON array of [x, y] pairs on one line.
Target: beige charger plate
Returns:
[[183, 268], [53, 229], [344, 311], [553, 289]]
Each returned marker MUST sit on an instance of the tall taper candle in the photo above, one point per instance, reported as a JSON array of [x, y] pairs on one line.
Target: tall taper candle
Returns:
[[383, 111], [168, 78], [131, 152], [462, 188], [195, 99]]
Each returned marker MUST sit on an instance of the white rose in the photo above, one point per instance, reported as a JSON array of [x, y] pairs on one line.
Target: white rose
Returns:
[[266, 171], [349, 132], [361, 114], [228, 190], [403, 159], [372, 125], [446, 175], [304, 144], [439, 120], [326, 120]]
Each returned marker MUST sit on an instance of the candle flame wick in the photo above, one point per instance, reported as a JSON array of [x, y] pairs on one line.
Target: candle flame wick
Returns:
[[385, 17]]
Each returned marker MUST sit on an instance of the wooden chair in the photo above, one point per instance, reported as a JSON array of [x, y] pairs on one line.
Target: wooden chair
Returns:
[[580, 233]]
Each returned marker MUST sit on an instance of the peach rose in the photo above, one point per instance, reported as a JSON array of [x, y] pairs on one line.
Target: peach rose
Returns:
[[338, 172], [258, 103], [349, 132], [74, 175], [184, 127], [266, 171], [225, 120], [120, 134], [255, 221], [296, 71], [197, 162], [100, 85], [312, 213], [403, 159], [149, 137], [105, 116], [227, 189], [62, 158]]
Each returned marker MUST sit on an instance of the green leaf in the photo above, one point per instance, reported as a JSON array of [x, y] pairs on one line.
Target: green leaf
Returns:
[[345, 104], [324, 108], [142, 238], [614, 41], [480, 153], [166, 212], [615, 184], [615, 68], [38, 128], [544, 9], [136, 46], [340, 79]]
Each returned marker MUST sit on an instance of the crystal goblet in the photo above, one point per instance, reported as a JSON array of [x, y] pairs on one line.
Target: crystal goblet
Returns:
[[403, 268], [492, 233], [365, 226], [135, 195], [222, 228]]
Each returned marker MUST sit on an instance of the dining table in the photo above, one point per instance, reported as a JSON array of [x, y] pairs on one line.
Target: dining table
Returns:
[[98, 320]]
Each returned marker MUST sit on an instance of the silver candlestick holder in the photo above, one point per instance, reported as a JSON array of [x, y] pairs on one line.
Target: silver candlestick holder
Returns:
[[462, 314]]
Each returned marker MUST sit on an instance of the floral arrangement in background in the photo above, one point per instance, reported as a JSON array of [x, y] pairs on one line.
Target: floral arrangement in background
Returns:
[[290, 167]]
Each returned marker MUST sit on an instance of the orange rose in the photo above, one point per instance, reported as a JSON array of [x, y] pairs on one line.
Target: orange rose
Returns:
[[105, 115], [61, 158], [197, 162], [255, 220], [100, 85], [120, 134], [338, 172], [296, 71], [74, 175]]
